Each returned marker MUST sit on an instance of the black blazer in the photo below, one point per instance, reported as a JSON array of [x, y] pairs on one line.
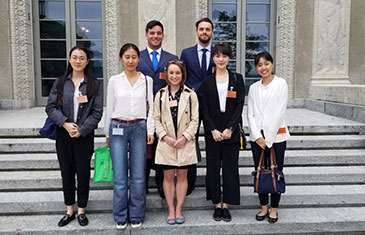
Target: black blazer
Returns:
[[212, 116]]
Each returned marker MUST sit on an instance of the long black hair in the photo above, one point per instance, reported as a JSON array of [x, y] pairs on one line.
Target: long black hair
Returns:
[[89, 77]]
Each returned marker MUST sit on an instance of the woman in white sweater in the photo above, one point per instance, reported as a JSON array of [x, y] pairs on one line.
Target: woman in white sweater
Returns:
[[267, 101]]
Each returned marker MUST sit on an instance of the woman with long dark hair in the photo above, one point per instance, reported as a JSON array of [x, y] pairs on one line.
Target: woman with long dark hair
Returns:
[[222, 103], [129, 128], [266, 109], [75, 105]]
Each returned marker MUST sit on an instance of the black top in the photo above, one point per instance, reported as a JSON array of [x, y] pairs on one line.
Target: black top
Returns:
[[174, 109]]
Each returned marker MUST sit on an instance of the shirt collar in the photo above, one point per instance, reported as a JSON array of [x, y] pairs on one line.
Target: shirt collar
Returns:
[[141, 75], [208, 47], [150, 50], [70, 76]]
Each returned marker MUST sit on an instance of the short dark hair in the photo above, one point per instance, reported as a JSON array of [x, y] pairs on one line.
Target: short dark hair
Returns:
[[126, 47], [264, 54], [223, 48], [152, 24], [205, 19], [179, 64]]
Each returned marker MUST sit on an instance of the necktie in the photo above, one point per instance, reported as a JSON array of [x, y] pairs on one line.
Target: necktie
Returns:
[[154, 59], [204, 62]]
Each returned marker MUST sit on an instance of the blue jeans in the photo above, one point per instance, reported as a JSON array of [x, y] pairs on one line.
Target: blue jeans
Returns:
[[133, 139]]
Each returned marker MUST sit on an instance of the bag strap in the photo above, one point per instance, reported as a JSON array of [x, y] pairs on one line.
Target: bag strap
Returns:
[[260, 166], [147, 104]]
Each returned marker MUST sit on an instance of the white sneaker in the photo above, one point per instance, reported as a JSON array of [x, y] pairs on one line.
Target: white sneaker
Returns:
[[136, 224], [121, 226]]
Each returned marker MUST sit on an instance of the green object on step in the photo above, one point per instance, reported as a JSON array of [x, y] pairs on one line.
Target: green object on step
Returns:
[[103, 167]]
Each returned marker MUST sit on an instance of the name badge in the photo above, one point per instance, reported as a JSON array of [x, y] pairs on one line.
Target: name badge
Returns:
[[163, 76], [82, 99], [214, 69], [231, 94], [118, 131], [173, 103]]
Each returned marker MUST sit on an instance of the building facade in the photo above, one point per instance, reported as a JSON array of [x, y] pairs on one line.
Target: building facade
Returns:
[[318, 45]]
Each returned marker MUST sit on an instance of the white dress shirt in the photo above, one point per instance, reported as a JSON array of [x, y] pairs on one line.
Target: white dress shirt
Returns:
[[127, 102], [200, 54], [266, 109], [158, 53], [76, 104]]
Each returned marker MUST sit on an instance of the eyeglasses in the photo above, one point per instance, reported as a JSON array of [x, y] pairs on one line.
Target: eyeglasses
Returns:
[[81, 58]]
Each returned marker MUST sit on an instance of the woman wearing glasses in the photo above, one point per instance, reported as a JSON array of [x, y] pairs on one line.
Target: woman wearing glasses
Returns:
[[80, 96], [176, 122]]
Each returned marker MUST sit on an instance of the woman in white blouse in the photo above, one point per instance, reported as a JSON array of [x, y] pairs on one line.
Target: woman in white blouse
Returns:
[[128, 128], [267, 101]]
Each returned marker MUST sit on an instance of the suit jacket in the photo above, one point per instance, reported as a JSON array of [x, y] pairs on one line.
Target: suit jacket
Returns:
[[187, 125], [194, 72], [212, 116], [145, 66]]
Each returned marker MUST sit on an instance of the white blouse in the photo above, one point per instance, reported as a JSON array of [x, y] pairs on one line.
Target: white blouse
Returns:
[[127, 102], [266, 110], [222, 93]]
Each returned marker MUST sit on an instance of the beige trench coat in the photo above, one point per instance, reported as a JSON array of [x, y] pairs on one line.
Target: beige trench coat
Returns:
[[187, 125]]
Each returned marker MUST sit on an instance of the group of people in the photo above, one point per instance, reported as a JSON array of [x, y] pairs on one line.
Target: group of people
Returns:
[[154, 109]]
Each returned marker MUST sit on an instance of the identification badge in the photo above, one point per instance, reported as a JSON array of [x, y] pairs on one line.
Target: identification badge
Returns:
[[173, 103], [231, 94], [163, 76], [82, 99], [118, 131], [214, 69], [282, 130]]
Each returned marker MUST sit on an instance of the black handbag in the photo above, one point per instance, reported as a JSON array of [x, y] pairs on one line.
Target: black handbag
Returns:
[[268, 180], [49, 129]]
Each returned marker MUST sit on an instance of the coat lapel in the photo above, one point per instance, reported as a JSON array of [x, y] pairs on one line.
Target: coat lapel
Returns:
[[162, 60], [184, 97], [145, 57], [167, 113]]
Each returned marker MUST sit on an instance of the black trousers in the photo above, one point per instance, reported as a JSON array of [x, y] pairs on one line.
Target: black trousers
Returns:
[[279, 149], [74, 155], [222, 154]]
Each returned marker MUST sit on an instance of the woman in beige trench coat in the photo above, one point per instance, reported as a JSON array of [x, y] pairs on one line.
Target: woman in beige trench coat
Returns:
[[176, 121]]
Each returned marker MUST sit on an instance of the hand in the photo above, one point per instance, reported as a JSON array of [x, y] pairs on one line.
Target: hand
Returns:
[[70, 127], [170, 141], [217, 135], [180, 142], [261, 142], [76, 134], [227, 133], [107, 142], [150, 139]]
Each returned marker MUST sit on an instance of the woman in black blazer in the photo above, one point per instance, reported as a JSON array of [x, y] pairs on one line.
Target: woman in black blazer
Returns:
[[222, 103]]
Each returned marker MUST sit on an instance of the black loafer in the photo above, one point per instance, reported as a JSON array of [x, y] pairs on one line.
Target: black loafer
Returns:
[[273, 220], [66, 219], [218, 214], [83, 220], [261, 217], [226, 215]]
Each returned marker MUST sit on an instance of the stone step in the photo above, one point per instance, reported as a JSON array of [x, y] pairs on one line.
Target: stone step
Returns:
[[29, 145], [338, 157], [17, 203], [51, 180], [337, 220]]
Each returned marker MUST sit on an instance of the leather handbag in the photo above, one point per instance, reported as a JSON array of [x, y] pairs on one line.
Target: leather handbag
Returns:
[[268, 180]]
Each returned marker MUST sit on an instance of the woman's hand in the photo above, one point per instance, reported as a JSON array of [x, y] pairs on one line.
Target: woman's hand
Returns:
[[150, 139], [76, 134], [107, 142], [261, 142], [217, 135], [227, 133], [170, 141], [70, 127], [180, 142]]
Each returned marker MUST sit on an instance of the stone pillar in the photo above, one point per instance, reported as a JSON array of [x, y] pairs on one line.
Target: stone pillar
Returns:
[[163, 11], [331, 37], [112, 39], [285, 42]]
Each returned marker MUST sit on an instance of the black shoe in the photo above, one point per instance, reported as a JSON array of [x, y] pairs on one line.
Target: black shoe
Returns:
[[218, 214], [261, 217], [273, 220], [83, 220], [226, 215], [66, 219]]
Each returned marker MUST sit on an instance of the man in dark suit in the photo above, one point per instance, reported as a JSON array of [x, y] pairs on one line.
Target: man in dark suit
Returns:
[[153, 61], [199, 64]]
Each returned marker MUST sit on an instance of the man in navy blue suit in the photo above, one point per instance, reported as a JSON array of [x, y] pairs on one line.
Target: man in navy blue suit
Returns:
[[199, 64], [153, 61]]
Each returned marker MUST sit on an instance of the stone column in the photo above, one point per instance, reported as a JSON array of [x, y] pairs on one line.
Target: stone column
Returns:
[[331, 37], [163, 11], [112, 39]]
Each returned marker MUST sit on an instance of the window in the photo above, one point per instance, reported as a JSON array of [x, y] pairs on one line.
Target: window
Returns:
[[248, 26], [58, 26]]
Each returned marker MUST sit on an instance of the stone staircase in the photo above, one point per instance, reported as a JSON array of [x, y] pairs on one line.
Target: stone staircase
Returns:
[[324, 169]]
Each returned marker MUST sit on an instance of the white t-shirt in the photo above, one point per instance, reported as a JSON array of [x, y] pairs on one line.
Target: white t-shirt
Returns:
[[222, 93]]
